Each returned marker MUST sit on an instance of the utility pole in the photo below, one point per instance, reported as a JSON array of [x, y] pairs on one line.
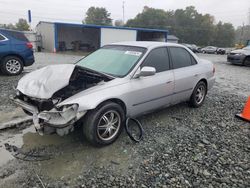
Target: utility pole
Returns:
[[242, 33], [123, 12], [249, 16]]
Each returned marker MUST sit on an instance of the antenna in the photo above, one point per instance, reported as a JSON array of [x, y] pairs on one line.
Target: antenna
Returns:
[[123, 12]]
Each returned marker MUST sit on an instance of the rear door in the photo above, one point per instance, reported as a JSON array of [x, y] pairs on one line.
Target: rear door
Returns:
[[4, 45], [152, 92], [186, 73]]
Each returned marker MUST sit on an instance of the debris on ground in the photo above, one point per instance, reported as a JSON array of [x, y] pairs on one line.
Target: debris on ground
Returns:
[[31, 155], [17, 123]]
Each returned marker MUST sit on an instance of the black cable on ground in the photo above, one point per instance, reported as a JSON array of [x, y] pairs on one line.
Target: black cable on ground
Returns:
[[25, 156], [128, 130]]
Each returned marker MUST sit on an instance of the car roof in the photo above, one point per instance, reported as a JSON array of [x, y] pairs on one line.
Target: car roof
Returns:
[[146, 44]]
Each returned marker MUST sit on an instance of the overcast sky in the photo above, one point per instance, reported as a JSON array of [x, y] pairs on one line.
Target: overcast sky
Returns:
[[234, 11]]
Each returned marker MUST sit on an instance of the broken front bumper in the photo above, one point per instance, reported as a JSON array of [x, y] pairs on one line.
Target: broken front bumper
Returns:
[[59, 119]]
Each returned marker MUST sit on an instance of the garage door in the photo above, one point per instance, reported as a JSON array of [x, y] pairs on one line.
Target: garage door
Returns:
[[116, 35]]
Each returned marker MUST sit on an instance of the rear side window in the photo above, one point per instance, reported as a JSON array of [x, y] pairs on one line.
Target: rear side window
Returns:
[[16, 35], [1, 37], [158, 58], [180, 57]]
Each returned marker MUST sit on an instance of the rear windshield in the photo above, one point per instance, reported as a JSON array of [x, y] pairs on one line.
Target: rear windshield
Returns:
[[16, 35], [113, 60]]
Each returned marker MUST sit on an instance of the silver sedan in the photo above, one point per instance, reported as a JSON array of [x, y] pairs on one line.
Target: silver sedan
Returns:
[[119, 80]]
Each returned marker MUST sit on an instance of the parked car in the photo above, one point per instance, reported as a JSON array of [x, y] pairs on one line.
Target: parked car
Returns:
[[240, 56], [209, 50], [195, 48], [15, 52], [192, 47], [120, 80], [221, 51]]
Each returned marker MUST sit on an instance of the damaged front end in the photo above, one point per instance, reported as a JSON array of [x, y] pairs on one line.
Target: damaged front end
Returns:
[[58, 120], [48, 115]]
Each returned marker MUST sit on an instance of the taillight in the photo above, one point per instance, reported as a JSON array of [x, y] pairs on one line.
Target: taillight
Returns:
[[213, 69], [29, 45]]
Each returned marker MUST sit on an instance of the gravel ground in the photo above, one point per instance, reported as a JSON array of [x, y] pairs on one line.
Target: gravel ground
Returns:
[[182, 147]]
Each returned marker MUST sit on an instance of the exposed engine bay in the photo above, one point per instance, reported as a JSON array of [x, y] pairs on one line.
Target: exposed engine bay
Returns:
[[80, 80], [47, 116]]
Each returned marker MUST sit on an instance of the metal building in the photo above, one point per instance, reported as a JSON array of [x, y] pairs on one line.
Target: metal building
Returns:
[[172, 39], [57, 36]]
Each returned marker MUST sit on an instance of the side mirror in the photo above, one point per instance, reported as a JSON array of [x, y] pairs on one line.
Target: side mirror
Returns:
[[146, 71]]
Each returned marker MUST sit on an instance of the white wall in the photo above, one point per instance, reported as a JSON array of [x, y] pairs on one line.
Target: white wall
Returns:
[[109, 35], [47, 32]]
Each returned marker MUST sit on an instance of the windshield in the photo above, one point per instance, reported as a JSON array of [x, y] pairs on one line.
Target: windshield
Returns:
[[113, 60]]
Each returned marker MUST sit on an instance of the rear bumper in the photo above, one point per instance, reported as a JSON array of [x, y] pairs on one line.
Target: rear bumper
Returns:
[[29, 60]]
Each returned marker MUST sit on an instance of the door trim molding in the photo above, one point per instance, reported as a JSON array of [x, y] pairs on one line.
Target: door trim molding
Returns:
[[162, 97]]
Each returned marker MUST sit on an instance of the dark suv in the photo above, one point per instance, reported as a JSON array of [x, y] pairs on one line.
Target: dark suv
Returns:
[[15, 52]]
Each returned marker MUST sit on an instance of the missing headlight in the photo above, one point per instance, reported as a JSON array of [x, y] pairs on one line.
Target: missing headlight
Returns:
[[61, 116]]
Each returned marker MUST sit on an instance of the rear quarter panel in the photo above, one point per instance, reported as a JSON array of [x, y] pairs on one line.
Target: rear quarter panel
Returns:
[[20, 48], [206, 69]]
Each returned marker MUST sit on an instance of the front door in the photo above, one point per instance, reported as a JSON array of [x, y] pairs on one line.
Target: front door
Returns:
[[152, 92]]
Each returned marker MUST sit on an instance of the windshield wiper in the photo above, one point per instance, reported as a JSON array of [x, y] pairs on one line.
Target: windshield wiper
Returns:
[[96, 72]]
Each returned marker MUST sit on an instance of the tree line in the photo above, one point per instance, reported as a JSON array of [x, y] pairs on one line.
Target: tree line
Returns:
[[21, 25], [187, 24]]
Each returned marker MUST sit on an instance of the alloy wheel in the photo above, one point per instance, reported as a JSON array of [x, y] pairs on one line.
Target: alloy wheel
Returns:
[[200, 94], [109, 125], [13, 66]]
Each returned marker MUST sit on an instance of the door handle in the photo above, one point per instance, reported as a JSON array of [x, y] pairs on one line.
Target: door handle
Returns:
[[168, 82]]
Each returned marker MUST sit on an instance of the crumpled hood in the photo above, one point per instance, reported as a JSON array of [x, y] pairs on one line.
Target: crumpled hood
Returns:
[[44, 82]]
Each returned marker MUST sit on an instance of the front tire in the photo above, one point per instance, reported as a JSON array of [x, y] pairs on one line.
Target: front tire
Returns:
[[199, 94], [247, 62], [103, 125], [11, 65]]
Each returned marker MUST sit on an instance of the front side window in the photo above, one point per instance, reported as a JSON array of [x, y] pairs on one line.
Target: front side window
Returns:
[[157, 58], [180, 57], [113, 59]]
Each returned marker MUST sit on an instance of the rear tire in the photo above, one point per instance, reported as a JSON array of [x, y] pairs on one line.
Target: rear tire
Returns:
[[11, 65], [100, 127], [199, 94]]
